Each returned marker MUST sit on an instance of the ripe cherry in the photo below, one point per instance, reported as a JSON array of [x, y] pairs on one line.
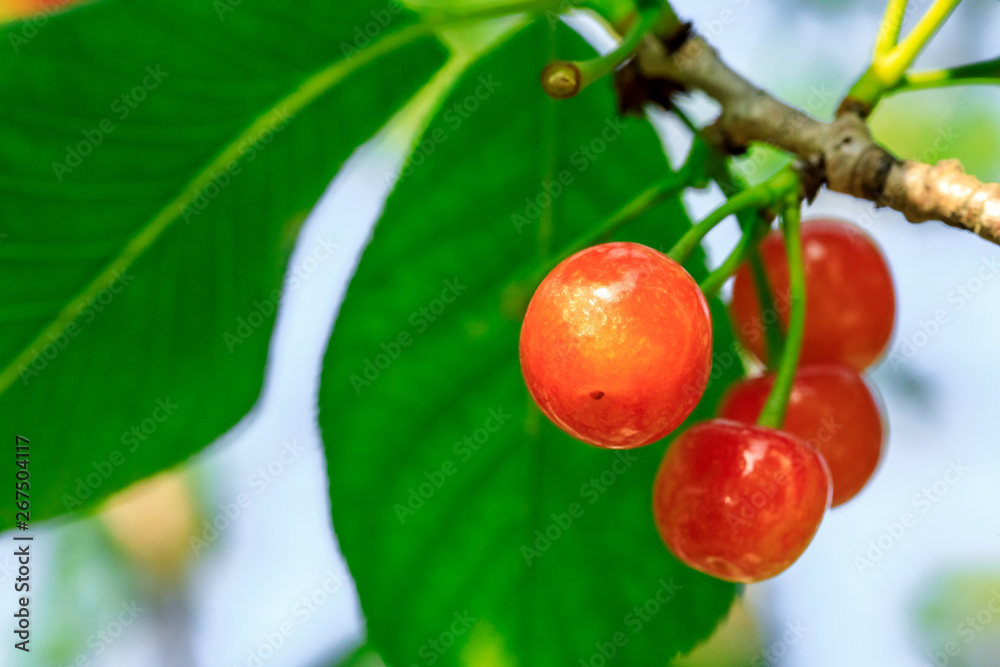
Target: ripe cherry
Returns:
[[850, 300], [831, 408], [616, 345], [740, 502]]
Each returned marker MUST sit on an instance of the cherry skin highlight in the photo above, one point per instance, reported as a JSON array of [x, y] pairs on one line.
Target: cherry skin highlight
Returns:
[[740, 502], [616, 345], [831, 408], [850, 299]]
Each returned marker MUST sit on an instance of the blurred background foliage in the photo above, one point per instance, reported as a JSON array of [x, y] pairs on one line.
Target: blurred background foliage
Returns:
[[138, 545]]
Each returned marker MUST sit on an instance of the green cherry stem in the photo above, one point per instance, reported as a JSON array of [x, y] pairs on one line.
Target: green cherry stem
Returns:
[[669, 186], [563, 79], [612, 12], [691, 174], [774, 337], [754, 227], [752, 198], [759, 196], [889, 67], [986, 72], [773, 412], [899, 59], [892, 23], [727, 179]]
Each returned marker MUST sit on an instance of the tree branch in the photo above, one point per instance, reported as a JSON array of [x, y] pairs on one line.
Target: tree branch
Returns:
[[841, 154]]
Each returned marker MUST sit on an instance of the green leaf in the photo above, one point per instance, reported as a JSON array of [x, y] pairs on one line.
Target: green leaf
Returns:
[[156, 163], [361, 656], [477, 532]]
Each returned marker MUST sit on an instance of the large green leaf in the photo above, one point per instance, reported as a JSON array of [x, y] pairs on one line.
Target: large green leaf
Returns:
[[157, 158], [476, 531]]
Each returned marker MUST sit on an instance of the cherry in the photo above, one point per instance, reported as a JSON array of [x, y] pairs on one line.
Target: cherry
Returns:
[[740, 502], [616, 345], [850, 300], [831, 408]]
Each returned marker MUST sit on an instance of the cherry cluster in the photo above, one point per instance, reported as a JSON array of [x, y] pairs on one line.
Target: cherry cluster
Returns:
[[616, 349]]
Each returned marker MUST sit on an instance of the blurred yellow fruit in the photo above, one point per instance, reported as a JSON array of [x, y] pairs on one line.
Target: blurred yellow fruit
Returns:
[[151, 521]]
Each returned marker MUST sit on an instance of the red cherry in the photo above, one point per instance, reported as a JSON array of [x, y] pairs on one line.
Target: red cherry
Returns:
[[616, 345], [740, 502], [831, 408], [850, 300]]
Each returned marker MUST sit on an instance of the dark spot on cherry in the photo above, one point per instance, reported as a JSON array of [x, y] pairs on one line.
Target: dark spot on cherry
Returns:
[[597, 395]]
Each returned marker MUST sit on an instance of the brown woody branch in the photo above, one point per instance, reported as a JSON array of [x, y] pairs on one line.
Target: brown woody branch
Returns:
[[840, 154]]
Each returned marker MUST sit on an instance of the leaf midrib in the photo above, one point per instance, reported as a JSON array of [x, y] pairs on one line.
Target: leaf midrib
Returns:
[[306, 93]]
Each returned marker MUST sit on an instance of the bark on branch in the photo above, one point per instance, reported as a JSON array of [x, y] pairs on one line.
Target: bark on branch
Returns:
[[840, 154]]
